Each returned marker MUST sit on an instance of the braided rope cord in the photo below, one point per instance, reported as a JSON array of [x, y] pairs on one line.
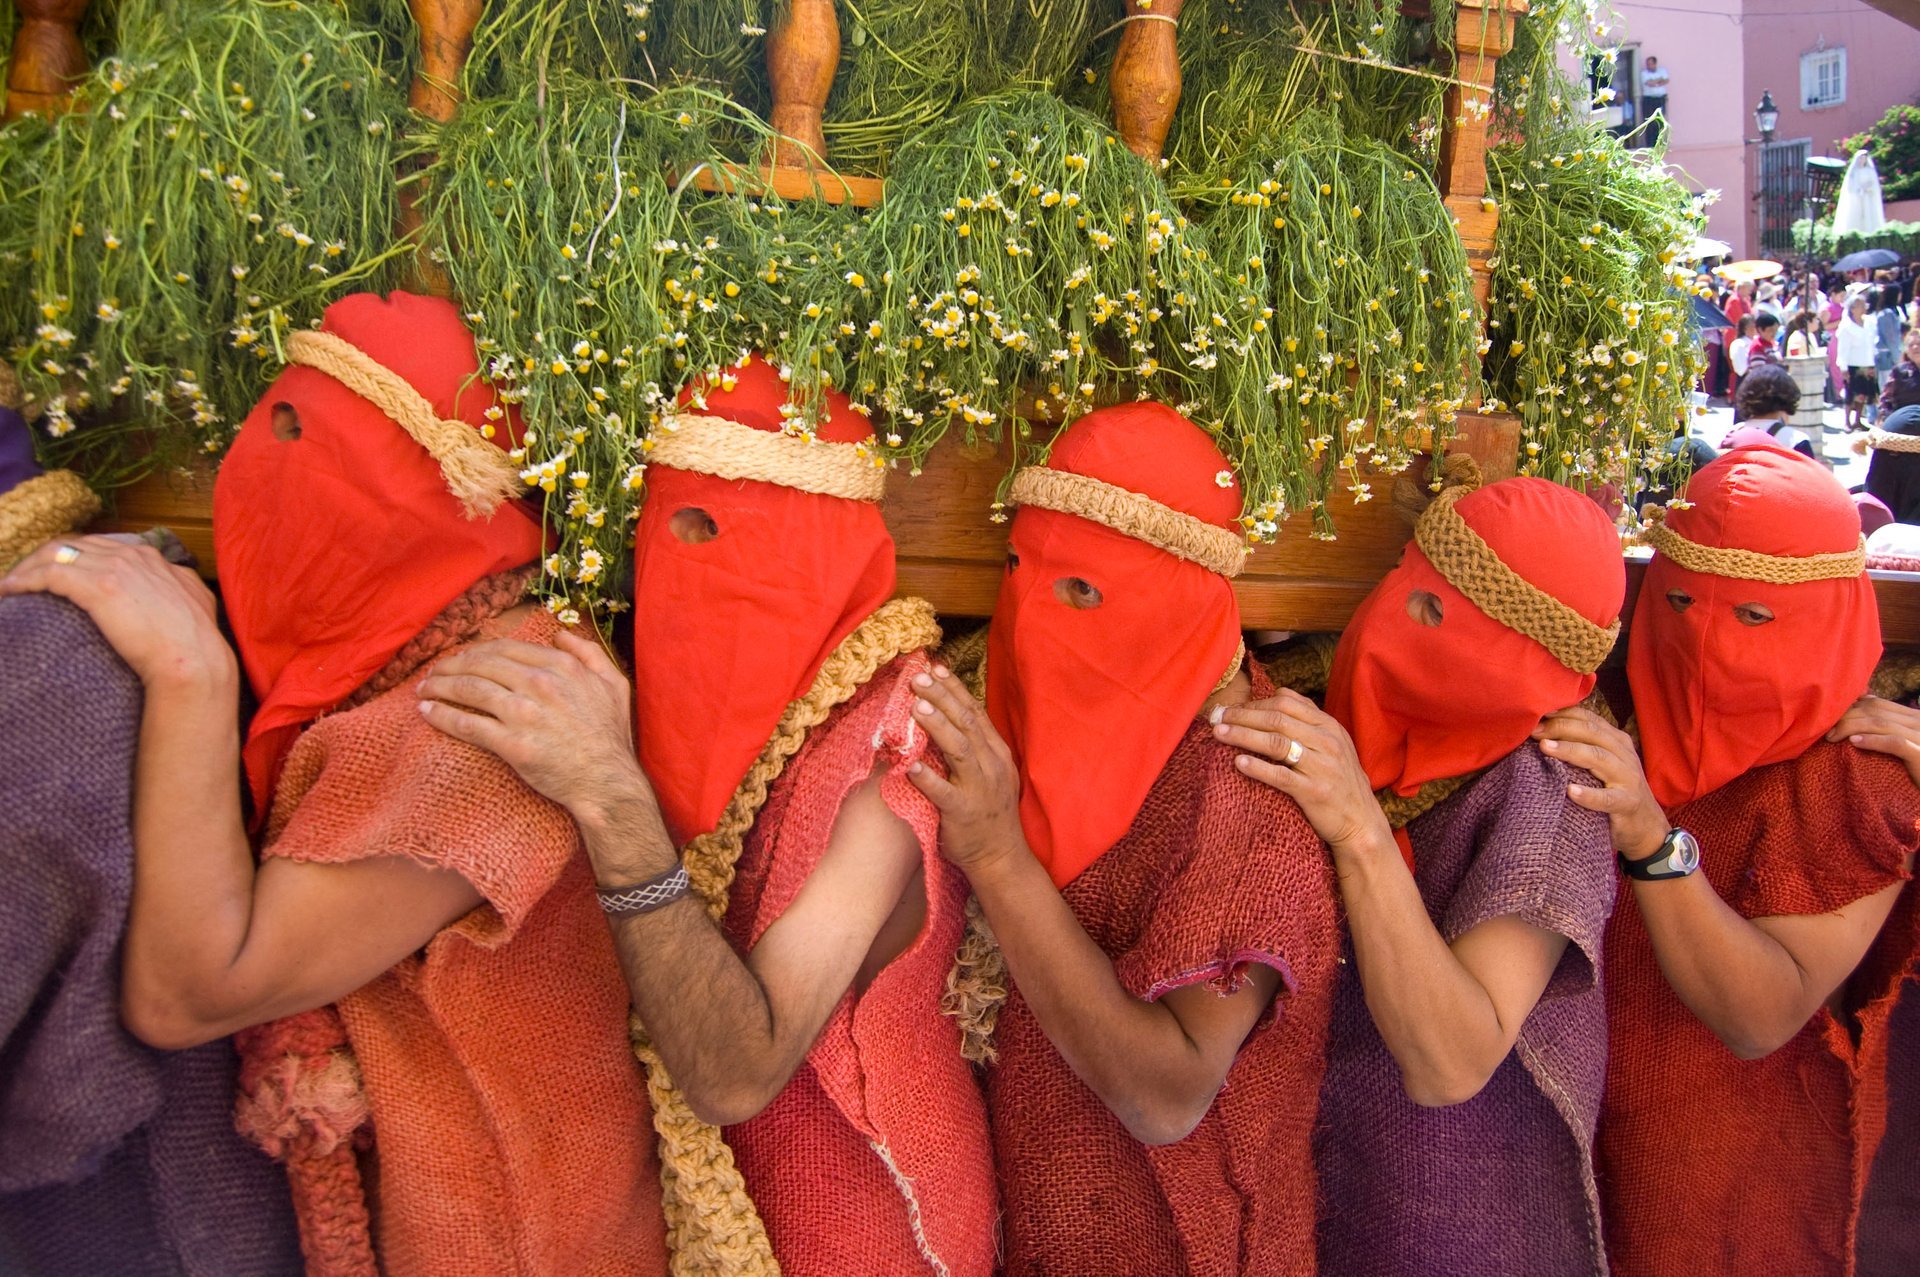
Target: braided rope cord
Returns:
[[1131, 514], [730, 450], [40, 509], [1897, 677], [1752, 565], [713, 1228], [1305, 665], [977, 982], [478, 474], [1470, 565], [1891, 441]]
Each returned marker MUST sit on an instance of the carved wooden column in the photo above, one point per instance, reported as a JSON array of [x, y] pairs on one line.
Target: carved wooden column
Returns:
[[803, 53], [446, 39], [47, 57], [1484, 32], [1145, 80]]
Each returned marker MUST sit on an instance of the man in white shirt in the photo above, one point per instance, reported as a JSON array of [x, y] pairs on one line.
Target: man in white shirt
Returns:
[[1654, 80]]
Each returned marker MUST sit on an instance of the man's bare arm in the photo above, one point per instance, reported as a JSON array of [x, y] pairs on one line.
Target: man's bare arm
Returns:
[[1448, 1013], [1754, 982], [732, 1030], [214, 945]]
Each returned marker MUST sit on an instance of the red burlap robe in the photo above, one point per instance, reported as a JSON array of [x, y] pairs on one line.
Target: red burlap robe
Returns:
[[875, 1158], [511, 1130], [1710, 1164], [1217, 874]]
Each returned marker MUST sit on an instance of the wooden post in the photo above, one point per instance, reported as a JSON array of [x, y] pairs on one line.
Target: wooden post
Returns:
[[1483, 32], [803, 53], [47, 57], [446, 39], [1145, 80]]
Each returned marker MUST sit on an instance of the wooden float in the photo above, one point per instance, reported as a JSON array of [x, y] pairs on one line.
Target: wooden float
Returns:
[[949, 549]]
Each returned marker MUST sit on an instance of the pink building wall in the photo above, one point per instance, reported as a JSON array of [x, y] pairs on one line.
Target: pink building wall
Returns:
[[1723, 53]]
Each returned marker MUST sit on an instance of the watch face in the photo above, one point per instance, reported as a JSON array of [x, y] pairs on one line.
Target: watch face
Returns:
[[1686, 851]]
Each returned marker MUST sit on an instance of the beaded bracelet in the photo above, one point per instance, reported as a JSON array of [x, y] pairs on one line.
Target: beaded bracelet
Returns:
[[655, 893]]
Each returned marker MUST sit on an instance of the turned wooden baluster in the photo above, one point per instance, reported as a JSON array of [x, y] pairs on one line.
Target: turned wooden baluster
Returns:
[[446, 39], [1145, 80], [47, 57], [1485, 31], [803, 52]]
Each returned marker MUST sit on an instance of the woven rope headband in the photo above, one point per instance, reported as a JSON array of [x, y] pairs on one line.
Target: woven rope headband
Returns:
[[1129, 513], [1470, 566], [1888, 441], [477, 473], [729, 450], [39, 509], [1751, 565]]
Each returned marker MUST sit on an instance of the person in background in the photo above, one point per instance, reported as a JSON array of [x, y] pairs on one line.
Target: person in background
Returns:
[[1741, 303], [1800, 337], [1753, 968], [1767, 299], [1467, 1056], [1830, 317], [1855, 347], [1901, 387], [1737, 354], [1894, 473], [1654, 83], [1889, 331], [1769, 397]]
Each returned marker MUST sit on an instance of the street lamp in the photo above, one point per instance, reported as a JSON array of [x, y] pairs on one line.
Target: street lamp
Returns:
[[1766, 116]]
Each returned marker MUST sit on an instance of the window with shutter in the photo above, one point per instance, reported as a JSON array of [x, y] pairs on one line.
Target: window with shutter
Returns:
[[1823, 79]]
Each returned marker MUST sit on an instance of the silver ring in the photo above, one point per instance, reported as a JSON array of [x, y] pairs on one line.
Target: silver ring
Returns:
[[1295, 752], [66, 554]]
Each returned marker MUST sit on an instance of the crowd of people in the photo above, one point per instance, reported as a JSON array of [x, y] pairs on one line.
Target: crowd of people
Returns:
[[791, 933]]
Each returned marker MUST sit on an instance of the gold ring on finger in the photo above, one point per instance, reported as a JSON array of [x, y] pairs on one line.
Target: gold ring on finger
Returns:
[[1295, 752]]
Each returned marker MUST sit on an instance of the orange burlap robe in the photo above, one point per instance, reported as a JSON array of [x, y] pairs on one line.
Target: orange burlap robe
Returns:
[[1217, 873], [875, 1158], [1709, 1164], [510, 1125]]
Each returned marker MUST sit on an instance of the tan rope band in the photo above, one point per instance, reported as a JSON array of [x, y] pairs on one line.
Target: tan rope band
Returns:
[[1131, 514], [1890, 441], [713, 1227], [39, 509], [1470, 566], [478, 474], [1752, 565], [730, 450]]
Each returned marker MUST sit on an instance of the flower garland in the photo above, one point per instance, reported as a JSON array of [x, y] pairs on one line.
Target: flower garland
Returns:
[[225, 176]]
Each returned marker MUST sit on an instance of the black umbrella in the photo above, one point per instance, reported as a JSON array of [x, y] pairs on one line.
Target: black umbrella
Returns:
[[1868, 259], [1707, 315]]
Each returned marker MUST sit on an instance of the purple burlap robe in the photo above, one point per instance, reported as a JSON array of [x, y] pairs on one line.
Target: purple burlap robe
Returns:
[[1502, 1183], [114, 1158], [1889, 1241]]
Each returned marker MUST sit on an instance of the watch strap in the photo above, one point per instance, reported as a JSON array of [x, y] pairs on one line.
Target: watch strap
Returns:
[[1660, 865]]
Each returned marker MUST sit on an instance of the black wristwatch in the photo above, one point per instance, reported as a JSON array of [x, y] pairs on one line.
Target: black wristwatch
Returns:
[[1679, 856]]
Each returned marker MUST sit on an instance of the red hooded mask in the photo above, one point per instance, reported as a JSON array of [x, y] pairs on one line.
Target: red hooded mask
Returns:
[[759, 550], [341, 526], [1717, 690], [1116, 621], [1528, 580]]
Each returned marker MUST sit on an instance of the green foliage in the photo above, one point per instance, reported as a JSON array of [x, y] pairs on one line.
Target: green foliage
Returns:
[[1367, 314], [1589, 334], [592, 289], [1817, 239], [1894, 140], [226, 177]]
